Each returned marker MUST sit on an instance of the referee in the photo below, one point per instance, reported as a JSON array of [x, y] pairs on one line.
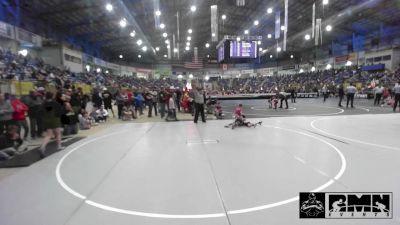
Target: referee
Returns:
[[351, 91], [378, 94]]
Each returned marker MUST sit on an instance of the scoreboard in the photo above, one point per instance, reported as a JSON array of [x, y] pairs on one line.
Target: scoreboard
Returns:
[[234, 50], [243, 49]]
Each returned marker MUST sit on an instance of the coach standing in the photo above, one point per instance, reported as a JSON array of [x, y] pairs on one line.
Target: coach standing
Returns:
[[396, 91], [351, 91], [198, 103]]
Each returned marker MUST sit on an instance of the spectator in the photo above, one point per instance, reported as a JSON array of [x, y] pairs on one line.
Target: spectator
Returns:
[[178, 93], [6, 111], [139, 100], [127, 114], [84, 121], [162, 101], [19, 115], [34, 102], [96, 99], [102, 114], [120, 99], [199, 96], [171, 108], [52, 112], [107, 100], [10, 143]]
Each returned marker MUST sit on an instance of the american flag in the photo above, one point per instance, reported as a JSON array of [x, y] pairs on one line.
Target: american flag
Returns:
[[194, 64]]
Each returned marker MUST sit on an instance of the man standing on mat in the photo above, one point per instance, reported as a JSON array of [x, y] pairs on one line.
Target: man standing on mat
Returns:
[[293, 94], [396, 91], [351, 91], [341, 94], [283, 96], [198, 103]]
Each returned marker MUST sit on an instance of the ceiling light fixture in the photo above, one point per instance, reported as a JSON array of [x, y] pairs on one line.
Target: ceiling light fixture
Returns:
[[193, 8], [256, 22], [328, 28], [109, 7], [162, 26], [207, 45], [165, 35], [122, 22], [158, 13], [269, 10], [223, 17]]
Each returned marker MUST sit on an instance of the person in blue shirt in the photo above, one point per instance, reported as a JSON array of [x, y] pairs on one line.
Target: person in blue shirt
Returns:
[[139, 103]]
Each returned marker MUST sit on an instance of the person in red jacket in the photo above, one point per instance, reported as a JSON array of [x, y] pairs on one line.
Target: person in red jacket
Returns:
[[19, 115]]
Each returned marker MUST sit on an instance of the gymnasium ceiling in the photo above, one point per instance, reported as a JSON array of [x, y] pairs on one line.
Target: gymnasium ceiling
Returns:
[[89, 20]]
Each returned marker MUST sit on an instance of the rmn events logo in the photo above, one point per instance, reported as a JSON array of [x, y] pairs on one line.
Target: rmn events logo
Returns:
[[347, 205]]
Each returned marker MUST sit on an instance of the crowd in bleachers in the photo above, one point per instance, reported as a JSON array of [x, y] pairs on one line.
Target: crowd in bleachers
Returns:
[[309, 82]]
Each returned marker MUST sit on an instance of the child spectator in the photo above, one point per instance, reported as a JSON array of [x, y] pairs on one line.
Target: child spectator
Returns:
[[84, 121], [127, 114], [10, 143], [171, 108], [102, 114], [218, 111]]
